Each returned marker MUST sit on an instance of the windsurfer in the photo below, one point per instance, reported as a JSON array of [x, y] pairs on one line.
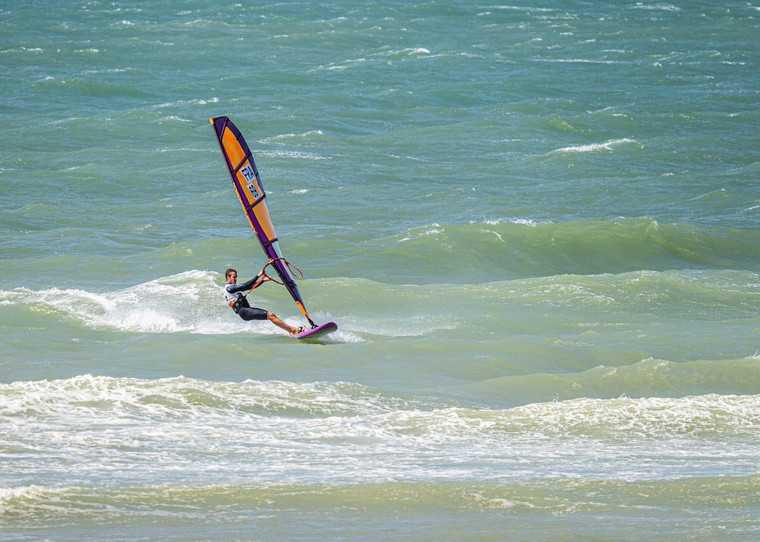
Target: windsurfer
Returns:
[[236, 300]]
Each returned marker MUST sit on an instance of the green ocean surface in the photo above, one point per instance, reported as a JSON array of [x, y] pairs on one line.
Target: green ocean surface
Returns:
[[537, 225]]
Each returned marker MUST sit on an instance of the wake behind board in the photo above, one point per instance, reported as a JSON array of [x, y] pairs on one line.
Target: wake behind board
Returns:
[[318, 331]]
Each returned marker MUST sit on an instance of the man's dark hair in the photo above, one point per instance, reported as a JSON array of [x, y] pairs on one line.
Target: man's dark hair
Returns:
[[229, 270]]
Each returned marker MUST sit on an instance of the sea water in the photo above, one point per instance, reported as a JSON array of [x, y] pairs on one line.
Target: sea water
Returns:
[[536, 224]]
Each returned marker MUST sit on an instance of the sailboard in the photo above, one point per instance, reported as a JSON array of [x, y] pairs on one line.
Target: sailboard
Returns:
[[250, 192]]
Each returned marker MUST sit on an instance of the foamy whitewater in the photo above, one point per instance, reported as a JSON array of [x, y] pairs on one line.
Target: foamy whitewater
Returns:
[[537, 226]]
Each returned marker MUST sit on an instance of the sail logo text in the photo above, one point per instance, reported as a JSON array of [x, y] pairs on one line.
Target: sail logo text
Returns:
[[250, 176]]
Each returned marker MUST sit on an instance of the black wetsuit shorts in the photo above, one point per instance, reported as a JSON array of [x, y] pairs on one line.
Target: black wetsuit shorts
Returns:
[[252, 313]]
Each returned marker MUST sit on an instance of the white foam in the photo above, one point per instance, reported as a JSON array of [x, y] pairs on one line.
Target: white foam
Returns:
[[133, 397], [717, 191], [64, 121], [494, 233], [342, 336], [197, 101], [433, 229], [151, 307], [656, 7], [344, 65], [299, 155], [579, 61], [596, 147], [180, 427], [280, 137], [22, 50], [9, 494], [511, 220], [183, 149], [173, 118], [204, 23], [148, 307], [521, 8], [110, 70], [408, 51]]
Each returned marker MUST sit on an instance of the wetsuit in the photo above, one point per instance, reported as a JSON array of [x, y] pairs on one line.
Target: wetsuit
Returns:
[[237, 301]]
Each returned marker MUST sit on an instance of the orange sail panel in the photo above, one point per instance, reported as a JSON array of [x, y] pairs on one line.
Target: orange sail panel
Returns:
[[250, 192]]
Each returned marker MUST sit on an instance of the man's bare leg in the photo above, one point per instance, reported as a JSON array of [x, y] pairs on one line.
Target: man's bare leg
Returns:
[[272, 317]]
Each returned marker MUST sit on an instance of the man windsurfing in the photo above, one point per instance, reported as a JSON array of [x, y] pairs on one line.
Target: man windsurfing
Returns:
[[236, 300]]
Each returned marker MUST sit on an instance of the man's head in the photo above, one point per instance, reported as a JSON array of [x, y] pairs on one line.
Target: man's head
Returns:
[[231, 275]]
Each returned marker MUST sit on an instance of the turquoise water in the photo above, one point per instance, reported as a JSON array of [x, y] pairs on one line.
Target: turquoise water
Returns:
[[536, 224]]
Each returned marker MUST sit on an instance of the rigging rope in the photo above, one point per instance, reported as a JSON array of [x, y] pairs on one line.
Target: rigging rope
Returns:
[[294, 270]]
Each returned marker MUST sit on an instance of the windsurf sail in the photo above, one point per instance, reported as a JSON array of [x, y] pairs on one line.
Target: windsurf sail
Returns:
[[250, 191]]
